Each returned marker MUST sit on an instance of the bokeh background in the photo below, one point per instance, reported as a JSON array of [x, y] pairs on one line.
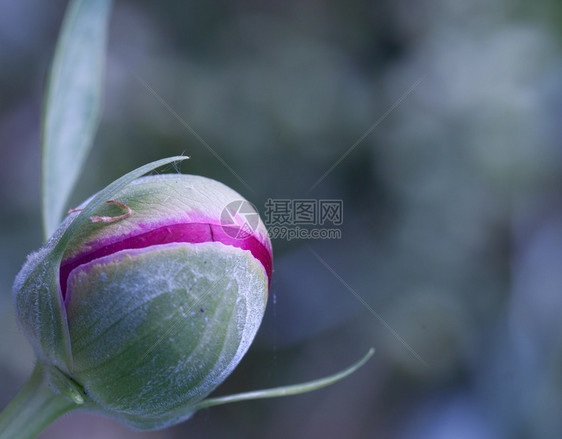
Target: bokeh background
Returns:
[[452, 229]]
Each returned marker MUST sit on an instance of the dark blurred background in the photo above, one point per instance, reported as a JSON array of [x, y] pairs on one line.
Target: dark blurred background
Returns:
[[444, 119]]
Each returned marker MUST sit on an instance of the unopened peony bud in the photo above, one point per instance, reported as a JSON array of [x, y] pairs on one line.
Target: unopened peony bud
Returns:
[[158, 299]]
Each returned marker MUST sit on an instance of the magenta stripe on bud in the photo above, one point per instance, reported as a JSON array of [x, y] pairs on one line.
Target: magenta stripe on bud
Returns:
[[185, 233]]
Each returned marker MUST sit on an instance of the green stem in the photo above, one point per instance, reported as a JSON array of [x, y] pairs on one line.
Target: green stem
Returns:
[[33, 408], [286, 390]]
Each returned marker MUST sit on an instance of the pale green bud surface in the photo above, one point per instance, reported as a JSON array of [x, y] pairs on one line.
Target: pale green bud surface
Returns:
[[150, 312]]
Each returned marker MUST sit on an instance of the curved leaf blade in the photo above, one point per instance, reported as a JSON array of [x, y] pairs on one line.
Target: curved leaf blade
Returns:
[[294, 389], [106, 194], [71, 105]]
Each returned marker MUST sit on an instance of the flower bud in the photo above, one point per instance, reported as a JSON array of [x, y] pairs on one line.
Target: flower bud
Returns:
[[156, 299]]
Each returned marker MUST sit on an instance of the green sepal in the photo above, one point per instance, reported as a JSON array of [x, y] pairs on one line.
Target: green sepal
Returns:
[[64, 385], [39, 305], [156, 330]]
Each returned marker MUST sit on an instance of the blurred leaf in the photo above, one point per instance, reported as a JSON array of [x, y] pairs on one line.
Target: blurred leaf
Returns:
[[71, 103]]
